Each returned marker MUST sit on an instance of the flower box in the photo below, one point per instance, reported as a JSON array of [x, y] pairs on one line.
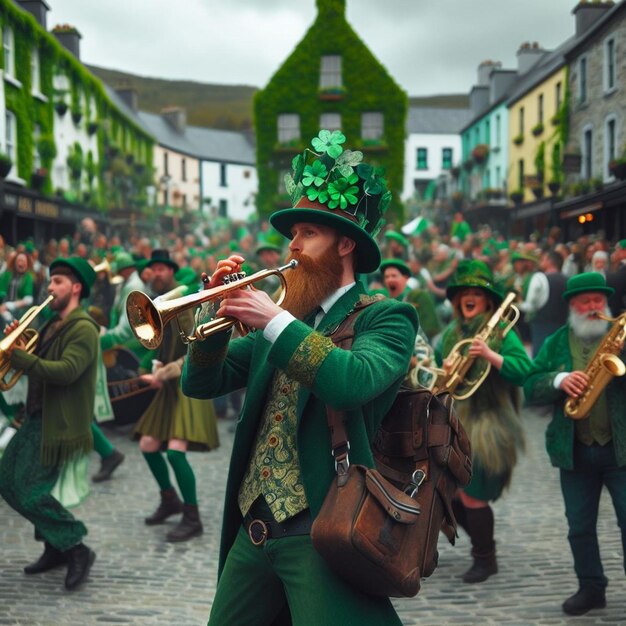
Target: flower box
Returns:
[[5, 165], [61, 108], [519, 140], [537, 130]]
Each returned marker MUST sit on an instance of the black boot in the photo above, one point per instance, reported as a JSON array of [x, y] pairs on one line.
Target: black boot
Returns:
[[79, 561], [170, 505], [585, 599], [480, 529], [459, 513], [188, 527], [50, 559], [107, 466]]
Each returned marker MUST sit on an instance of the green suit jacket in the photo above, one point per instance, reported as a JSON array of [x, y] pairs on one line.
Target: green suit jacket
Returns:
[[362, 382], [553, 358]]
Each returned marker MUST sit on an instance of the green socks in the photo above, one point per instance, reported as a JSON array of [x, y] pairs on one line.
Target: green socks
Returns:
[[100, 443], [184, 475], [159, 470]]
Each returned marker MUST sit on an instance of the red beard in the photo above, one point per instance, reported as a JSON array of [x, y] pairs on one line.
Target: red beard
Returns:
[[309, 284]]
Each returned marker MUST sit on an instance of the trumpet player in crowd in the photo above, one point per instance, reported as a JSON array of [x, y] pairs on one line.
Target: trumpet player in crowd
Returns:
[[61, 369], [580, 371], [173, 423], [491, 413]]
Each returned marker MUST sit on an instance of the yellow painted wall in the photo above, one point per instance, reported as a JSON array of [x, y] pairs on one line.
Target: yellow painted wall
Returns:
[[527, 149]]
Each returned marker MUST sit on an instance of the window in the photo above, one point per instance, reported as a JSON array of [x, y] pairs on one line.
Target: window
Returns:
[[10, 136], [166, 168], [9, 51], [521, 120], [609, 65], [520, 174], [609, 144], [183, 169], [330, 121], [34, 71], [498, 132], [540, 109], [36, 157], [223, 177], [222, 210], [587, 153], [330, 72], [446, 158], [288, 127], [487, 132], [582, 80], [184, 200], [422, 159], [558, 95], [498, 177], [372, 126]]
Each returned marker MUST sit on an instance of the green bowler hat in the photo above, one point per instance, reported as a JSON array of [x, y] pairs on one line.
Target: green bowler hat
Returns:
[[523, 256], [333, 187], [80, 268], [399, 264], [587, 281], [265, 245], [123, 261], [401, 239], [474, 273]]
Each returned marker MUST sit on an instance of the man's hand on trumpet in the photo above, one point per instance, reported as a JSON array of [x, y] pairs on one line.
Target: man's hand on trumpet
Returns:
[[253, 307]]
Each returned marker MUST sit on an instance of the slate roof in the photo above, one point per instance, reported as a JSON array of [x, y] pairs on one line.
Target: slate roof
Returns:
[[435, 120]]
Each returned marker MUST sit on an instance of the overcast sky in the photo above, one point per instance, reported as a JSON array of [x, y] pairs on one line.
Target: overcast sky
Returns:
[[428, 46]]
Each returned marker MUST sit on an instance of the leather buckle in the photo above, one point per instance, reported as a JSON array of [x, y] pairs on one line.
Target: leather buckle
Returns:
[[258, 532]]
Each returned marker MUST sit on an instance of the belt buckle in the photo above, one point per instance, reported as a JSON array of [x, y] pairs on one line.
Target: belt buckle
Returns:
[[258, 532]]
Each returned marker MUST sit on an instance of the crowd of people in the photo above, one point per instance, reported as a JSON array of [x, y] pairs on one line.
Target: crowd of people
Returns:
[[452, 280]]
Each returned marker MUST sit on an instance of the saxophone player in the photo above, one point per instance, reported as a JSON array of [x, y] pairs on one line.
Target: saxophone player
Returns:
[[589, 452], [491, 415]]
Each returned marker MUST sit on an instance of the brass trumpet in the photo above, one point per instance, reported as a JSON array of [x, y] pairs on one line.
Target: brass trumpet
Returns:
[[30, 335], [105, 266], [148, 318]]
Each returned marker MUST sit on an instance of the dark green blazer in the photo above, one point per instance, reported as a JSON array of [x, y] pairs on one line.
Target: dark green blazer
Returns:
[[553, 358], [362, 382]]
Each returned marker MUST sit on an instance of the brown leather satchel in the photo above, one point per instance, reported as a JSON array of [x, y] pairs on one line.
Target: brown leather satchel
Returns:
[[378, 528]]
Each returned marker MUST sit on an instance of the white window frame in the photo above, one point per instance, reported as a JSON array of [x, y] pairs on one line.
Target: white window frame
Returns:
[[8, 48], [10, 137], [610, 42], [330, 121], [330, 71], [583, 95], [608, 157], [288, 127], [372, 126], [35, 71]]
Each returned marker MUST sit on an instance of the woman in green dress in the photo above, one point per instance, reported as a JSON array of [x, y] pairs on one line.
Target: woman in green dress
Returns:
[[491, 415]]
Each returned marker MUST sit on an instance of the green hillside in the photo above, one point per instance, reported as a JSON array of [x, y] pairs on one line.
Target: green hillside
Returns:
[[220, 106], [213, 106]]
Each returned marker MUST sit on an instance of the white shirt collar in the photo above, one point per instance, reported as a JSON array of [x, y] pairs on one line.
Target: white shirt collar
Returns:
[[328, 303]]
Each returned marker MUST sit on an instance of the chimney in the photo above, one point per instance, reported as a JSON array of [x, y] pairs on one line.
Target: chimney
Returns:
[[176, 117], [130, 97], [588, 13], [330, 8], [38, 9], [500, 81], [479, 99], [485, 69], [69, 37], [528, 55]]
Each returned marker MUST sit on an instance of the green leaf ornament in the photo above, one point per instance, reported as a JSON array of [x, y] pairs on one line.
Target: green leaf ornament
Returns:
[[329, 143], [314, 174], [343, 192], [314, 193]]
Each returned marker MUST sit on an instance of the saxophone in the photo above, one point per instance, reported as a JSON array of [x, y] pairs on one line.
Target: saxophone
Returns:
[[603, 367], [454, 381]]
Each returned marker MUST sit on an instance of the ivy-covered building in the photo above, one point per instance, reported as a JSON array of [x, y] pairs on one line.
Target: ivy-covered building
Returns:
[[330, 81], [66, 150]]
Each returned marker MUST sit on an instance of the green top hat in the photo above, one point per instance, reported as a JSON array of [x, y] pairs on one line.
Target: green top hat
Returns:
[[187, 276], [333, 187], [400, 265], [474, 273], [587, 281], [123, 260], [162, 256], [80, 268], [401, 239]]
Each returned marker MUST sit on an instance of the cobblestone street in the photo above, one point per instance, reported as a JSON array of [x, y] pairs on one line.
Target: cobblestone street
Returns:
[[138, 578]]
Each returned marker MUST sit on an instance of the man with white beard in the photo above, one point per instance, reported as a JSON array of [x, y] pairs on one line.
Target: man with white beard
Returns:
[[591, 451]]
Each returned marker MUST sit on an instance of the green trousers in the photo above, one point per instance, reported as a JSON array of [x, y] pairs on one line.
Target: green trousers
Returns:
[[25, 484], [258, 581]]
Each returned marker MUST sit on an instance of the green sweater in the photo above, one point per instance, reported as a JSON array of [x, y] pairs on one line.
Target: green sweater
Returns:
[[553, 358], [362, 382], [68, 374]]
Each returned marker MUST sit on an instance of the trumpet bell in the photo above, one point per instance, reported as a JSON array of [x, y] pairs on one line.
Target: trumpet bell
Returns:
[[144, 319]]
